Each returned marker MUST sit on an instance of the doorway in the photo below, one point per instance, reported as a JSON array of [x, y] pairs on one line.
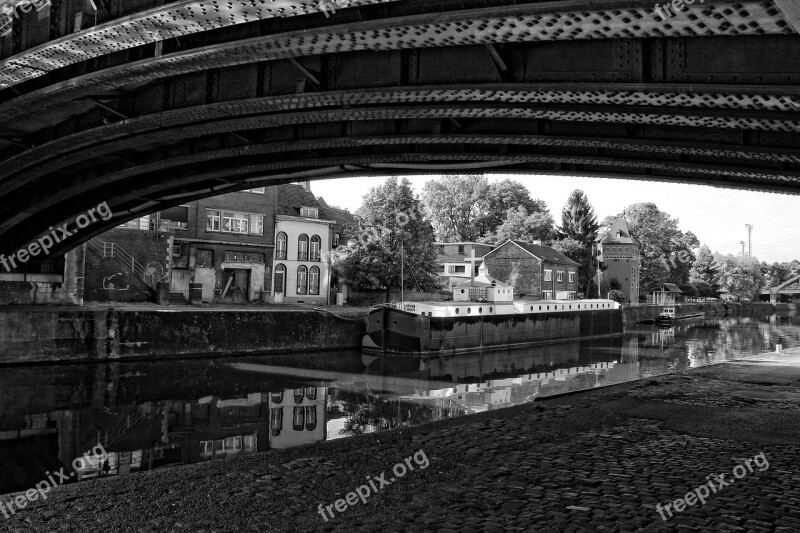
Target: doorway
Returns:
[[236, 286]]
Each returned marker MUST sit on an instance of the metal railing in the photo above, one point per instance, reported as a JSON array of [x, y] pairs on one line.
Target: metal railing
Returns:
[[110, 249]]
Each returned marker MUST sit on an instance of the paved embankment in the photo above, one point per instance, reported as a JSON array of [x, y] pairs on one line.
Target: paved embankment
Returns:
[[632, 315], [600, 460], [64, 334]]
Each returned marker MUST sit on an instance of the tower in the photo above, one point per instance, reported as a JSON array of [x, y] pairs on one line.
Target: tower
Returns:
[[619, 252]]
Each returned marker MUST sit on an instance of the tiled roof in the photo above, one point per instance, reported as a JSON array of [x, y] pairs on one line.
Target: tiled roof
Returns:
[[621, 227], [340, 216], [542, 252], [292, 197]]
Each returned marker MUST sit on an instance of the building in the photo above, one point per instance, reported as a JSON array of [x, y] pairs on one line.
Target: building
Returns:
[[619, 253], [225, 243], [302, 248], [667, 293], [454, 260], [533, 270]]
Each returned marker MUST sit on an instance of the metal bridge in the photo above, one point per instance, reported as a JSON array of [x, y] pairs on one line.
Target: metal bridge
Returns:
[[145, 105]]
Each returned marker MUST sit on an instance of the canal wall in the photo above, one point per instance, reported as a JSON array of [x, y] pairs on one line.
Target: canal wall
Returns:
[[636, 314], [46, 336]]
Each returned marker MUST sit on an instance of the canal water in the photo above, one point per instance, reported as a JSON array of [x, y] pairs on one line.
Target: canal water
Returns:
[[155, 414]]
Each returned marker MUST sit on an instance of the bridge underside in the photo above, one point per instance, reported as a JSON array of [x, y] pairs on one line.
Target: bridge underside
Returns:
[[244, 95]]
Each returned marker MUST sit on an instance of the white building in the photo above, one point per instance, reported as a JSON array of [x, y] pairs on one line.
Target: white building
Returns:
[[301, 265]]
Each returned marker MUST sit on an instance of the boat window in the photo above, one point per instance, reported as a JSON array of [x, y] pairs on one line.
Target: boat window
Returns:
[[548, 307], [570, 306], [456, 310], [490, 309], [469, 310], [480, 309], [462, 291], [531, 308], [540, 308]]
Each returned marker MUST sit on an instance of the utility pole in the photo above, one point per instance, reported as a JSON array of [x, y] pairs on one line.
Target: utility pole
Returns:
[[749, 241], [742, 243]]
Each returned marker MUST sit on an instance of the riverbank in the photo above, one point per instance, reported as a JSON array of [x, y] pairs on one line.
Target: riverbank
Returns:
[[604, 459], [68, 334]]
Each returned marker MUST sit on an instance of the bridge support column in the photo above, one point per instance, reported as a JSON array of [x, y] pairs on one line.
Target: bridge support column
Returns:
[[74, 271]]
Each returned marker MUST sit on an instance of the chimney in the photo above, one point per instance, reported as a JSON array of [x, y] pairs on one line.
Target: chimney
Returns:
[[307, 185]]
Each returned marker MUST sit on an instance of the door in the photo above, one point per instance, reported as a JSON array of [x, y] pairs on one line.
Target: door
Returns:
[[236, 286]]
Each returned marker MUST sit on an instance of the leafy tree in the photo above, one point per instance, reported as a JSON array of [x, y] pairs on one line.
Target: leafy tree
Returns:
[[456, 205], [390, 219], [739, 276], [578, 252], [705, 290], [466, 207], [704, 269], [524, 226], [616, 295], [614, 284]]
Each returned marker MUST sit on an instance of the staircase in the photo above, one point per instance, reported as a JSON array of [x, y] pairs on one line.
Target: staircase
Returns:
[[177, 298], [110, 249], [111, 436]]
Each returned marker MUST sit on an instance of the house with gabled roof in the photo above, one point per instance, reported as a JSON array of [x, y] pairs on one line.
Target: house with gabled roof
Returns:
[[534, 270]]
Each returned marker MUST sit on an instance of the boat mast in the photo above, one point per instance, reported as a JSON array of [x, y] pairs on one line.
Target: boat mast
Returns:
[[402, 260]]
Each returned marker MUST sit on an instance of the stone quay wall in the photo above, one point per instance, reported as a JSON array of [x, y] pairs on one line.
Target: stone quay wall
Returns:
[[47, 336]]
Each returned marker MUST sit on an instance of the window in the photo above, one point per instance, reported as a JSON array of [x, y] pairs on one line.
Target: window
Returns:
[[547, 296], [176, 249], [461, 248], [302, 279], [313, 280], [234, 222], [212, 220], [311, 418], [336, 238], [280, 280], [311, 393], [316, 243], [310, 212], [441, 249], [244, 257], [560, 276], [276, 420], [548, 275], [302, 248], [257, 190], [457, 269], [280, 246], [257, 224], [572, 277], [298, 419], [205, 258]]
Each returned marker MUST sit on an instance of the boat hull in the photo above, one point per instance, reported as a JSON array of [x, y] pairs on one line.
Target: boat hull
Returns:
[[397, 331]]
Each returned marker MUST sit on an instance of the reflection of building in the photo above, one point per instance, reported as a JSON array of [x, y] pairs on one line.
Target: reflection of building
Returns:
[[297, 416]]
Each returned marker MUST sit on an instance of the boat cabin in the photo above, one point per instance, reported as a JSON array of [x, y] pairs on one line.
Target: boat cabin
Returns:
[[483, 289]]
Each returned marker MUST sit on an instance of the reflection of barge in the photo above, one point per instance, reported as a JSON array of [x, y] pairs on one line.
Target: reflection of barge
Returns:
[[484, 315]]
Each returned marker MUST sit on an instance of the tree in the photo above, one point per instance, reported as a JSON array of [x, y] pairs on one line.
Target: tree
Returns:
[[456, 205], [579, 223], [521, 225], [390, 219], [614, 284], [704, 269], [466, 207], [739, 276]]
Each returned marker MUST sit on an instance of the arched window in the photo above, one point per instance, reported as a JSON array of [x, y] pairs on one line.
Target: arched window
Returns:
[[302, 247], [311, 418], [298, 419], [316, 245], [280, 280], [302, 280], [276, 420], [313, 280], [280, 246]]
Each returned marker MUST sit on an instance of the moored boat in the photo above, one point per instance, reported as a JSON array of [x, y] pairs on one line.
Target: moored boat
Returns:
[[484, 315]]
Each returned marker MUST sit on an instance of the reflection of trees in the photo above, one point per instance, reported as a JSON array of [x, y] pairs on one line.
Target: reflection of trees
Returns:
[[368, 412]]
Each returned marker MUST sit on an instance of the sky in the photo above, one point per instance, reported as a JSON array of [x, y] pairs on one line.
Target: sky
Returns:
[[716, 216]]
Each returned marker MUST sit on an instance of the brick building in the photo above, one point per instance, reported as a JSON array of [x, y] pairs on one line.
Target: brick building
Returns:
[[454, 260], [619, 252], [534, 270]]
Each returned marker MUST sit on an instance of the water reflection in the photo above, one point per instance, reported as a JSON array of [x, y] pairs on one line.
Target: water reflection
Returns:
[[154, 414]]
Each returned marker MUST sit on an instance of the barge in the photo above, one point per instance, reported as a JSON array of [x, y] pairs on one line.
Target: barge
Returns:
[[483, 316]]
